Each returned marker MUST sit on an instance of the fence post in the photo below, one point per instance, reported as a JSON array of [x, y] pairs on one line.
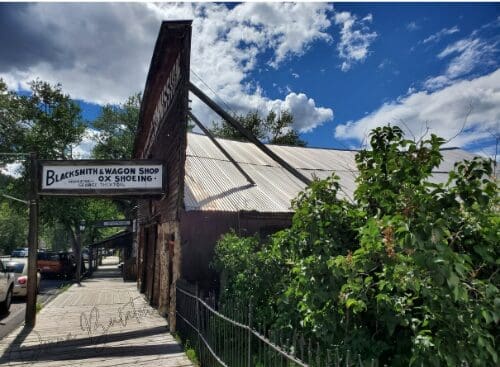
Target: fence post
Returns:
[[250, 333], [197, 311]]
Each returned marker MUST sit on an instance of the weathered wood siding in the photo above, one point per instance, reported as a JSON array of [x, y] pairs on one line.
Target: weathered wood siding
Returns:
[[200, 232], [163, 139]]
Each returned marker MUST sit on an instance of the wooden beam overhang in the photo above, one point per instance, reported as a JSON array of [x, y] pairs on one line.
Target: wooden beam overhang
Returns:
[[217, 144], [246, 133]]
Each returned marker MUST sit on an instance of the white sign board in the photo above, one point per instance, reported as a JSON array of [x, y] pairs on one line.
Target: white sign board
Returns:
[[113, 223], [94, 177]]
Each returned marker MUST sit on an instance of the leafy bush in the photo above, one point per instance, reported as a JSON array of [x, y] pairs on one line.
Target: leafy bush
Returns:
[[407, 274]]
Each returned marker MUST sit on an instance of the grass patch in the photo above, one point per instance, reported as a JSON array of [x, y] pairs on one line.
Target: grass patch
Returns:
[[38, 307], [64, 288], [191, 354], [188, 349]]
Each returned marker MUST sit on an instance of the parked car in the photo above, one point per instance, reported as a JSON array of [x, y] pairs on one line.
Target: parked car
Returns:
[[85, 254], [56, 264], [19, 267], [20, 252], [6, 289]]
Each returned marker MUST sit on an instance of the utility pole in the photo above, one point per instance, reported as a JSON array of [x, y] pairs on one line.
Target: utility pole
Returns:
[[32, 244]]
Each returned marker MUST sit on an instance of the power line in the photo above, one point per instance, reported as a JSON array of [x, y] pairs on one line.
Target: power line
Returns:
[[214, 92]]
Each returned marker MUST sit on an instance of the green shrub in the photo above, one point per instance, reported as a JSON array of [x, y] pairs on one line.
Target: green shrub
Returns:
[[407, 273]]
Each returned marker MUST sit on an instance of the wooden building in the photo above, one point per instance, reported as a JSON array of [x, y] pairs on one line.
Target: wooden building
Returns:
[[213, 188]]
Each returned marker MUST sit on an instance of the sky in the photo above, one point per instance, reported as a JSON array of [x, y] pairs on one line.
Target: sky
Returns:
[[340, 68]]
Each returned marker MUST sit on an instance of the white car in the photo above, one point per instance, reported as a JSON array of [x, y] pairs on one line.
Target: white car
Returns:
[[19, 268], [6, 289]]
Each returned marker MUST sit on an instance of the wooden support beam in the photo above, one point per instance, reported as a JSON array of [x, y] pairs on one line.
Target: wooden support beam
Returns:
[[30, 316], [217, 144], [246, 133]]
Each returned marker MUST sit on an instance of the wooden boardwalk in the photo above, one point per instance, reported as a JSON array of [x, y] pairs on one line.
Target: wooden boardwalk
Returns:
[[105, 322]]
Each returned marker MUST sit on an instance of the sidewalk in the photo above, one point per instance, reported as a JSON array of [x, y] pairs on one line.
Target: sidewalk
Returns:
[[105, 322]]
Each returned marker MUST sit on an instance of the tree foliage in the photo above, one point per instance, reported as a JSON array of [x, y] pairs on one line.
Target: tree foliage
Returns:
[[407, 274], [49, 122], [10, 117], [274, 129], [117, 126], [13, 228]]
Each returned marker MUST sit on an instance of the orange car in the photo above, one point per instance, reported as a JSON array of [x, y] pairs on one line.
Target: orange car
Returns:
[[56, 264]]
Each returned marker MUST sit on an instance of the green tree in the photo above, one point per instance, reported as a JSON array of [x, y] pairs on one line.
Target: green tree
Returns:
[[10, 118], [52, 121], [13, 228], [274, 129], [407, 274], [117, 126], [49, 122]]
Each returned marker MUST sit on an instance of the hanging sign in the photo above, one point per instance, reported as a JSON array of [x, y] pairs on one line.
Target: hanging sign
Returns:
[[101, 178], [112, 223]]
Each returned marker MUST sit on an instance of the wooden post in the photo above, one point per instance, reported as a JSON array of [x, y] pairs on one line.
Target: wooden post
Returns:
[[30, 317], [91, 260]]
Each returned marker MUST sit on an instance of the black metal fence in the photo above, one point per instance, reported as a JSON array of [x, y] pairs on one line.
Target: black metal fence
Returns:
[[228, 339]]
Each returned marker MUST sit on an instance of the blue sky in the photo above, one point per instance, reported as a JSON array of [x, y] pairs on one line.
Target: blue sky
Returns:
[[341, 68]]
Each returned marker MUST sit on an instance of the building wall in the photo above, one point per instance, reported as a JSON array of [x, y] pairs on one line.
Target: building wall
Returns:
[[158, 217], [168, 260], [200, 232]]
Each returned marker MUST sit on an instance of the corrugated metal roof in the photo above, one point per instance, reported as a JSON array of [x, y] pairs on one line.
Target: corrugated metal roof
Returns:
[[214, 183]]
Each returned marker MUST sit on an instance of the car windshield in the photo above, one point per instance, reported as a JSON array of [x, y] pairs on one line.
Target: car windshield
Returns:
[[14, 267], [48, 256]]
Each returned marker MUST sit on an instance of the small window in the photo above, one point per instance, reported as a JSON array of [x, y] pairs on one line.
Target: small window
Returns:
[[15, 268]]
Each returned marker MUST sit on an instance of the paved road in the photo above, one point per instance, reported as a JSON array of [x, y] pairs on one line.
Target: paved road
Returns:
[[49, 288]]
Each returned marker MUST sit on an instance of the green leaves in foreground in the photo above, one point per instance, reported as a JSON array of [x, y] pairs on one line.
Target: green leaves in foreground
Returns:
[[407, 275]]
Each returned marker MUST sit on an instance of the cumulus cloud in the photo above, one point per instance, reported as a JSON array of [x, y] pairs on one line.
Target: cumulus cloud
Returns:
[[306, 115], [355, 38], [477, 101], [436, 37], [101, 52]]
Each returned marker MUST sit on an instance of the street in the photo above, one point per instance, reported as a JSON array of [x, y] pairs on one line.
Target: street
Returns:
[[48, 289]]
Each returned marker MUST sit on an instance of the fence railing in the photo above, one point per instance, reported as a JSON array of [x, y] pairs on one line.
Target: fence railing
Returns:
[[229, 340]]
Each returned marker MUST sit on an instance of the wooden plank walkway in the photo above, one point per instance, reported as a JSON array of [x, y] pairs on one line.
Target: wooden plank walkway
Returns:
[[105, 322]]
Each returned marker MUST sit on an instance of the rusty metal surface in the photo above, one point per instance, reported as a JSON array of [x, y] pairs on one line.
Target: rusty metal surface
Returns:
[[213, 183]]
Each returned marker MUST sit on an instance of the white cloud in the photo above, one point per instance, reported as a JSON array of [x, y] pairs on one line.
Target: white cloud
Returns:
[[288, 28], [436, 37], [412, 26], [306, 115], [107, 47], [88, 142], [465, 56], [443, 111], [386, 62], [355, 38], [12, 169]]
